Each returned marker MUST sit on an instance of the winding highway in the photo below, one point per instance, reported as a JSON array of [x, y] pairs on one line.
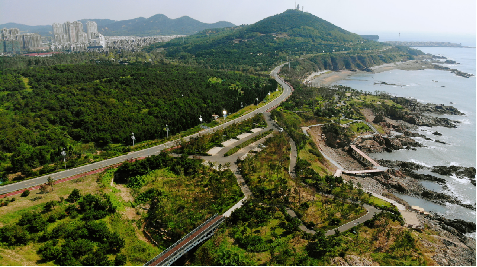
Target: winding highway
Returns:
[[35, 182]]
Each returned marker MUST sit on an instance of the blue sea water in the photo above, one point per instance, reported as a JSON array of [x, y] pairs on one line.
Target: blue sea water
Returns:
[[439, 87]]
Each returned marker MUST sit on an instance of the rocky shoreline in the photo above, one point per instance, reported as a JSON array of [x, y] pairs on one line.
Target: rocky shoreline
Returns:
[[404, 181], [455, 71]]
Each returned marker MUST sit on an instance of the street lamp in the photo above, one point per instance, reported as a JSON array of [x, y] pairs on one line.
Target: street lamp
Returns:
[[63, 153], [241, 105], [167, 129], [257, 100], [200, 119], [133, 138], [225, 114]]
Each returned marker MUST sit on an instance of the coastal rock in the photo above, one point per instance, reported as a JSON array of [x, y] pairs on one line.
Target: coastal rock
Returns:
[[351, 260], [461, 226], [448, 245], [459, 171], [378, 143], [414, 106]]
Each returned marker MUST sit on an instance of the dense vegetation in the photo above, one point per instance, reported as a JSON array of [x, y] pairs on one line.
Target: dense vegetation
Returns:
[[87, 107], [173, 213], [111, 226], [72, 232], [262, 233]]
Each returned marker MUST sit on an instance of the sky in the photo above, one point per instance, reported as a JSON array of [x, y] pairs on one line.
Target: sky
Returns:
[[431, 17]]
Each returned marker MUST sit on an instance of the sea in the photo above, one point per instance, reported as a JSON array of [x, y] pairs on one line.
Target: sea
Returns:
[[438, 87]]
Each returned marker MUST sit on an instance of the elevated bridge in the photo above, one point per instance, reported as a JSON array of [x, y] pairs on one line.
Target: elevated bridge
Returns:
[[192, 239]]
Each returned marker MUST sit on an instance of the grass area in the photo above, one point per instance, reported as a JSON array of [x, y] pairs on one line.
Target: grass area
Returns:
[[268, 168], [317, 163], [379, 202], [328, 213], [26, 81], [14, 210], [359, 127]]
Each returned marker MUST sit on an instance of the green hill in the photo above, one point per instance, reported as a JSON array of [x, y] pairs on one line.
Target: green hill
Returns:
[[159, 25], [263, 44], [156, 25]]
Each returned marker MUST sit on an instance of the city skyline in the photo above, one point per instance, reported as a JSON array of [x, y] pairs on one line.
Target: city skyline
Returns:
[[363, 17]]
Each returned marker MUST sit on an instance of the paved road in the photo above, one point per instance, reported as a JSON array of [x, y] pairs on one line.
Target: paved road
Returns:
[[149, 151]]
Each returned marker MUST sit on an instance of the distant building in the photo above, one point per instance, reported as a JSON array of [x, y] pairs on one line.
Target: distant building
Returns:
[[13, 41], [70, 36], [371, 37]]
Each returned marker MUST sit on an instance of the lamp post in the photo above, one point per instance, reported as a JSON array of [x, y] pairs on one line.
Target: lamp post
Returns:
[[167, 130], [200, 119], [241, 105], [225, 114], [257, 100], [133, 138], [63, 153]]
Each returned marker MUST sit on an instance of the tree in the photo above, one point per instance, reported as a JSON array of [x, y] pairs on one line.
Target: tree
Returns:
[[44, 188], [51, 182]]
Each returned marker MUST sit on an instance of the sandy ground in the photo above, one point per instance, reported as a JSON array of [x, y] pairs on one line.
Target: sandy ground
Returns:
[[326, 79]]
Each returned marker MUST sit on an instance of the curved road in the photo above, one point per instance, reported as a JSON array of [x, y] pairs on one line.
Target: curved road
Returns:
[[145, 152]]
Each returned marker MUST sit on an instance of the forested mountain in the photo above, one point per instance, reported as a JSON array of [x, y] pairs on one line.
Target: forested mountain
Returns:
[[264, 43], [156, 25], [43, 30], [159, 25]]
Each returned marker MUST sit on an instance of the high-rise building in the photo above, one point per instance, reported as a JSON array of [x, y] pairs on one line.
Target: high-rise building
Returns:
[[70, 36], [13, 41], [92, 30]]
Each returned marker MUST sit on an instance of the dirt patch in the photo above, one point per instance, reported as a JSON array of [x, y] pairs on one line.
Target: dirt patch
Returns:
[[130, 213], [368, 114], [125, 192]]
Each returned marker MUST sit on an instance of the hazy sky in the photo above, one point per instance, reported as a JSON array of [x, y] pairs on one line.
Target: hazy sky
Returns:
[[441, 17]]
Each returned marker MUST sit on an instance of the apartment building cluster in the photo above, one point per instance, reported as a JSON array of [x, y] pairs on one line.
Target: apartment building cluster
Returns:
[[14, 41], [71, 36]]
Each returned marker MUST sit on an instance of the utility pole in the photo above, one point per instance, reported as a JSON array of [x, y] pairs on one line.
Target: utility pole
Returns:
[[133, 138]]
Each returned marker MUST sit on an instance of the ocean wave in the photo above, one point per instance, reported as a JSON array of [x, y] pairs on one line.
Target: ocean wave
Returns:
[[420, 163], [454, 163], [465, 121], [440, 148], [471, 235], [459, 180], [453, 190]]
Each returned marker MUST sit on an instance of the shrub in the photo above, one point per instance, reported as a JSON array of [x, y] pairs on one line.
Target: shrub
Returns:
[[25, 193], [120, 260]]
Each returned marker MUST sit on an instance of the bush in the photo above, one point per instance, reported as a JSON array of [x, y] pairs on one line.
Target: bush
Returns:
[[25, 193], [120, 260], [74, 196]]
